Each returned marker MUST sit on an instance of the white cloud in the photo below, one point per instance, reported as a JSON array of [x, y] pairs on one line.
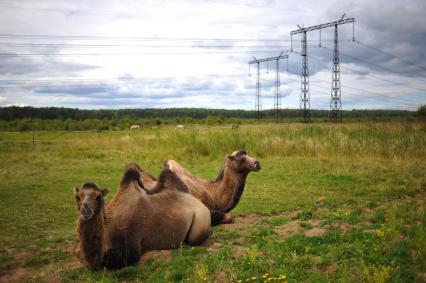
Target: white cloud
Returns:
[[184, 73]]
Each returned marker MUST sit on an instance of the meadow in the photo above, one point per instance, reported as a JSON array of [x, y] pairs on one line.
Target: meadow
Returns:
[[333, 202]]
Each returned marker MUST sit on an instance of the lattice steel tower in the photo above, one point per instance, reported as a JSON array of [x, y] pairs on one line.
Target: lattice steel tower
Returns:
[[336, 94], [277, 97], [305, 99], [258, 100], [336, 102], [277, 100]]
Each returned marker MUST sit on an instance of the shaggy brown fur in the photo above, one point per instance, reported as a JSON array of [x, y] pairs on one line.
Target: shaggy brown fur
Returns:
[[222, 194], [135, 221]]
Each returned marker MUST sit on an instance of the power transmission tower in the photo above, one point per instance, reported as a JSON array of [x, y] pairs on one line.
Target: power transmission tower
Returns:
[[336, 102], [258, 99], [305, 96], [336, 93], [277, 97]]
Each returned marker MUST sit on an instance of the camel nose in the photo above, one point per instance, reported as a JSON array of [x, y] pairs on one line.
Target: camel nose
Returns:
[[85, 209], [257, 165]]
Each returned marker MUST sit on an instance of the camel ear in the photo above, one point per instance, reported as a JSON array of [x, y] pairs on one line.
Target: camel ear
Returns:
[[76, 190], [231, 157], [105, 191]]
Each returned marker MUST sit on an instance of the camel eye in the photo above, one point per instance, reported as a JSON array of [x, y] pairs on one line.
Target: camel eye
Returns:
[[98, 198]]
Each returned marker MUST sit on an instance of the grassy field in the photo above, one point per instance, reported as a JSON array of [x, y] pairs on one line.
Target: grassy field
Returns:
[[333, 202]]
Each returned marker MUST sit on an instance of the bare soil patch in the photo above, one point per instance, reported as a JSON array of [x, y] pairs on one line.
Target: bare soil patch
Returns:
[[157, 255], [214, 246], [221, 277], [241, 221], [315, 232], [17, 275], [239, 252], [287, 229]]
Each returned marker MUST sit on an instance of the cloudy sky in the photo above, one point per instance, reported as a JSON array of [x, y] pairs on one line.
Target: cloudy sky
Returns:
[[187, 53]]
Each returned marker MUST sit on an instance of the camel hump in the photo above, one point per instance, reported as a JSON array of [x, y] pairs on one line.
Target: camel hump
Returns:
[[131, 173], [170, 164], [168, 179]]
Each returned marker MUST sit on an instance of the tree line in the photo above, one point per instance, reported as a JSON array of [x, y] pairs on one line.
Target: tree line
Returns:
[[45, 113], [69, 119]]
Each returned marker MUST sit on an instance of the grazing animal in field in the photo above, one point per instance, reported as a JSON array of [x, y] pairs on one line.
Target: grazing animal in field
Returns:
[[235, 126], [220, 195], [179, 127], [134, 127], [136, 220]]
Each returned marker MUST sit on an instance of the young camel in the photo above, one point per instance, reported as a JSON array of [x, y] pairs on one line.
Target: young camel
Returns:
[[220, 195], [136, 220]]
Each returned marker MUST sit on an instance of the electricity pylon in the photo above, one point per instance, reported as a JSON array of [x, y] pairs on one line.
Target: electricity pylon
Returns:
[[336, 95], [277, 97]]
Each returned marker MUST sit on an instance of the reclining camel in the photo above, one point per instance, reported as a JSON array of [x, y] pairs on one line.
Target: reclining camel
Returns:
[[220, 195], [136, 220]]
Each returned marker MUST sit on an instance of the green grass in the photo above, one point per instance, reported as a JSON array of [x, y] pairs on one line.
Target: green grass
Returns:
[[363, 183]]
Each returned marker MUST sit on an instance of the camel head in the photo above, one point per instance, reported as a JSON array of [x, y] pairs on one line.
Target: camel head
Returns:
[[241, 162], [90, 200]]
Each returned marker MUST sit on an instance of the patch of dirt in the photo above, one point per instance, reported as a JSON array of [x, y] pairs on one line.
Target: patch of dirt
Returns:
[[248, 219], [331, 267], [287, 229], [70, 247], [253, 218], [313, 222], [214, 246], [221, 277], [17, 274], [294, 214], [320, 202], [347, 228], [157, 255], [315, 232], [239, 252]]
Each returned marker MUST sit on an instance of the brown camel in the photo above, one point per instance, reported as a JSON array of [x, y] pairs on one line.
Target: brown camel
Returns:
[[220, 195], [136, 220]]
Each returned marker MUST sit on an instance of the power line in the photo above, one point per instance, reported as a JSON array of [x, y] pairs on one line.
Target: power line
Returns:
[[129, 38], [370, 63], [139, 53], [392, 55], [138, 38], [371, 75], [376, 95], [66, 45]]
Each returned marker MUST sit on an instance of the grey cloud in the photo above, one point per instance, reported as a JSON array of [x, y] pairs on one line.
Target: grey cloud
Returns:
[[11, 65]]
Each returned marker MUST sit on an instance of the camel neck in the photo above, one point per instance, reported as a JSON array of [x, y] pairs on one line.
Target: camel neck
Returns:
[[230, 188], [92, 240]]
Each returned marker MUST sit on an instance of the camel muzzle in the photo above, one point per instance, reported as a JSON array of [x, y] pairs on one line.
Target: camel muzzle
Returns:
[[86, 213]]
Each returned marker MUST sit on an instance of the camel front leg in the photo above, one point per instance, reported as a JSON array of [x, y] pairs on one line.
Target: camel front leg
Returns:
[[227, 219], [219, 217]]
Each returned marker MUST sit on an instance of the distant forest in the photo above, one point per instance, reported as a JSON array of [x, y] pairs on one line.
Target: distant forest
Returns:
[[14, 112], [16, 118]]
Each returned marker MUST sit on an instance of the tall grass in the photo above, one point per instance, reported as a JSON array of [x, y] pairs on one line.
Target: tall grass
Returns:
[[352, 165]]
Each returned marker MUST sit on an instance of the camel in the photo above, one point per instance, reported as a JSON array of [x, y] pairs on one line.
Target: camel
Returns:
[[220, 195], [136, 220]]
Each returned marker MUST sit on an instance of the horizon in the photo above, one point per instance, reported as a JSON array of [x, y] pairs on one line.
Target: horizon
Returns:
[[201, 108]]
